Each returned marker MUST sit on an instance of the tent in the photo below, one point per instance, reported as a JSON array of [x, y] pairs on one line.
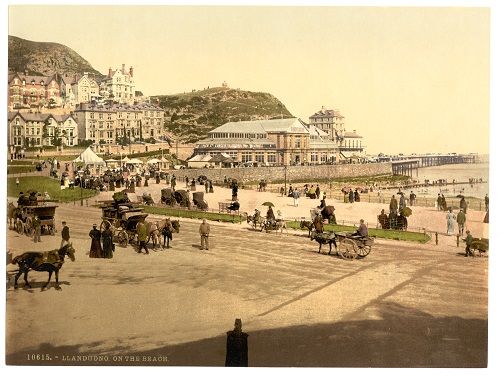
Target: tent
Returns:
[[89, 157], [153, 161], [134, 161]]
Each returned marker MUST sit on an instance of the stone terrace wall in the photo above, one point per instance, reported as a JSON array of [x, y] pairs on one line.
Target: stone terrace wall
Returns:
[[312, 172]]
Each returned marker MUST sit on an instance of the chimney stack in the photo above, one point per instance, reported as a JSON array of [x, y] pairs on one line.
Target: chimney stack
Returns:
[[123, 68], [131, 71], [109, 72]]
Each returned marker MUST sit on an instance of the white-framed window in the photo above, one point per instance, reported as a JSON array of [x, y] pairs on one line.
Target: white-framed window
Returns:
[[246, 156], [271, 157], [259, 157]]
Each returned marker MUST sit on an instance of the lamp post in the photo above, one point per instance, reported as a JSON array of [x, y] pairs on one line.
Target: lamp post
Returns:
[[81, 189]]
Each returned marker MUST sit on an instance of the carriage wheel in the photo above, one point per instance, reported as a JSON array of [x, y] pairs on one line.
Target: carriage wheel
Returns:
[[348, 249], [18, 226], [364, 250], [122, 239]]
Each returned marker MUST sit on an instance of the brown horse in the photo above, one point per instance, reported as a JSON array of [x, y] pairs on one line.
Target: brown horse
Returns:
[[50, 261]]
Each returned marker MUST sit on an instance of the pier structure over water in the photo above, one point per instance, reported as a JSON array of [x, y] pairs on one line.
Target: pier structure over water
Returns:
[[408, 165]]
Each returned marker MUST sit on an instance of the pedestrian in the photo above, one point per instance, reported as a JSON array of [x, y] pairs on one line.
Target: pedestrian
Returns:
[[17, 181], [95, 245], [486, 202], [295, 195], [461, 222], [206, 186], [64, 234], [237, 346], [468, 242], [211, 187], [204, 233], [463, 205], [142, 237], [107, 242], [282, 191], [413, 197], [317, 192], [444, 206], [167, 232], [351, 196], [402, 201], [450, 221], [438, 202], [187, 182], [37, 229], [357, 198], [173, 182], [393, 206]]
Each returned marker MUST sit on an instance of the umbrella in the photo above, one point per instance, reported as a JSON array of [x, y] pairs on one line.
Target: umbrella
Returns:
[[268, 204], [399, 193], [460, 196]]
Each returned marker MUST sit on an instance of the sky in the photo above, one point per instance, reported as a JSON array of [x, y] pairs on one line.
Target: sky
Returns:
[[406, 79]]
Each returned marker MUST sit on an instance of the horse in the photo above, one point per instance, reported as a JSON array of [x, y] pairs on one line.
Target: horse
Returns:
[[13, 213], [256, 219], [50, 261], [308, 225], [324, 238], [328, 212], [153, 232], [162, 227]]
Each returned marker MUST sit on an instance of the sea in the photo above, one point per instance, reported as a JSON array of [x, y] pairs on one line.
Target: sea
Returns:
[[460, 173]]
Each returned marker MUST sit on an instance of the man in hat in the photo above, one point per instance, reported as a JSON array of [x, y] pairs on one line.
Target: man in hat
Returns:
[[204, 233], [461, 218], [237, 346], [142, 237], [64, 234], [468, 242]]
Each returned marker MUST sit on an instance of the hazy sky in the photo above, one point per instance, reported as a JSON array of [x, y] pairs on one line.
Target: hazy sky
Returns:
[[407, 79]]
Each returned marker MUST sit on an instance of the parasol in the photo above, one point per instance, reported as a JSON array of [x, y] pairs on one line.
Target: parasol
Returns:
[[270, 204]]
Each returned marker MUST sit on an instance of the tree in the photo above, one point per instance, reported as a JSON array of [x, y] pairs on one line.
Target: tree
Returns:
[[86, 143]]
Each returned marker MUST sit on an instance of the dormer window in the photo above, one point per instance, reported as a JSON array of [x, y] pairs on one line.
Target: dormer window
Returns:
[[32, 82]]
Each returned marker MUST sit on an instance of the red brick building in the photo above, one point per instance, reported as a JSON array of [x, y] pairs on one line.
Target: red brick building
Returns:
[[26, 91]]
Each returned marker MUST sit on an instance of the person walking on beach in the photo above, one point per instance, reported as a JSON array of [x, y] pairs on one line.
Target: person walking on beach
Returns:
[[95, 246], [461, 222], [450, 221], [64, 235], [204, 233]]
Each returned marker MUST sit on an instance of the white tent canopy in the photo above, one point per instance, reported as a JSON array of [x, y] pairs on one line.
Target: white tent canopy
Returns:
[[134, 161], [153, 161], [89, 157]]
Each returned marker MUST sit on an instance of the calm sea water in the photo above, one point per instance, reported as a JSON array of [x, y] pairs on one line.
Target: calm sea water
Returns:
[[459, 173]]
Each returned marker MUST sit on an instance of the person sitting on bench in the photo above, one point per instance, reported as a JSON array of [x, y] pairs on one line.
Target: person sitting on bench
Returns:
[[235, 206]]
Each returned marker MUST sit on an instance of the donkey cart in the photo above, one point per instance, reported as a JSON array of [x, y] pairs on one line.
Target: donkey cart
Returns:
[[349, 247]]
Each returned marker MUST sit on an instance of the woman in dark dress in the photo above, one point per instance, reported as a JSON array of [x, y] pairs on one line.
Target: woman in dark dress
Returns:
[[107, 242], [95, 247]]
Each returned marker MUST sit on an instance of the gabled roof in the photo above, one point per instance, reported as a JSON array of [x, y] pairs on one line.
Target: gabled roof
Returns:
[[30, 78], [200, 158], [327, 113]]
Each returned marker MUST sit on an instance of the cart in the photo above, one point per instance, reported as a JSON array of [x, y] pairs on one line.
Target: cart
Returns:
[[479, 247], [349, 247], [45, 213], [123, 221]]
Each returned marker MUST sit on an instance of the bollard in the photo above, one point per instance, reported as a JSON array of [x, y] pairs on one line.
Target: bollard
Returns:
[[436, 238], [458, 240]]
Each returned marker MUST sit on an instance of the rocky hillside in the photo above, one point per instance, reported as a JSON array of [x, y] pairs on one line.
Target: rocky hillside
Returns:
[[45, 58], [191, 115]]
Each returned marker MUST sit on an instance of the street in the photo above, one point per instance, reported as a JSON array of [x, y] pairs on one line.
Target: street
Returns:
[[404, 305]]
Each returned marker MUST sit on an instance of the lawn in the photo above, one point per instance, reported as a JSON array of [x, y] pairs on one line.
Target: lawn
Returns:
[[20, 169], [193, 214], [46, 184], [375, 232]]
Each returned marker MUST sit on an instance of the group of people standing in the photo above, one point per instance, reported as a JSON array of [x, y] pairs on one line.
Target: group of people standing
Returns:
[[104, 250]]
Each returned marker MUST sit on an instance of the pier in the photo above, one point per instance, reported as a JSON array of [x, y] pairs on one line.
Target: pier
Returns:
[[407, 165]]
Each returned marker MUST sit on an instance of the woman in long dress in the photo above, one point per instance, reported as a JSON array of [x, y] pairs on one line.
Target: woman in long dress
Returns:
[[95, 246], [450, 221], [107, 242]]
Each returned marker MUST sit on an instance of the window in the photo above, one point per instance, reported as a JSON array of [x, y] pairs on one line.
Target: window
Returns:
[[246, 156], [259, 157], [314, 157], [297, 142], [323, 157], [271, 157]]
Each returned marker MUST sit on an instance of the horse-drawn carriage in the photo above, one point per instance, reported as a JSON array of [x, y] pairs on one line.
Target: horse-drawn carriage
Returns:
[[180, 197], [348, 245], [479, 246], [22, 217], [199, 201]]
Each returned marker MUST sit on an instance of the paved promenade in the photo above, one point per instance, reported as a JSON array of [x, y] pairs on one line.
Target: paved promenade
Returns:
[[403, 305]]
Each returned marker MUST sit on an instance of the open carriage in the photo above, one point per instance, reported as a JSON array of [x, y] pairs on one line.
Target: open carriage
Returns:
[[25, 215], [349, 247]]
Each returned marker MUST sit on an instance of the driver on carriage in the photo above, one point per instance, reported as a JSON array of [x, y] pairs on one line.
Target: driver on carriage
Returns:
[[362, 230], [234, 206]]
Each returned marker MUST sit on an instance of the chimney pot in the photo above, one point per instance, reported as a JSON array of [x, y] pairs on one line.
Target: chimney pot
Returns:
[[123, 68], [109, 72], [131, 71]]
